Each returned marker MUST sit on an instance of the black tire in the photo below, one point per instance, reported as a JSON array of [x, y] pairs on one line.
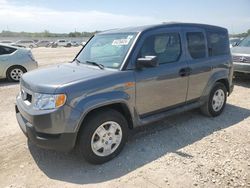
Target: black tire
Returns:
[[8, 73], [54, 45], [207, 109], [88, 129], [68, 45]]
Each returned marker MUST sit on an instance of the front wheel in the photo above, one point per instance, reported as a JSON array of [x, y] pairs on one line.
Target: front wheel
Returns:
[[103, 136], [216, 101]]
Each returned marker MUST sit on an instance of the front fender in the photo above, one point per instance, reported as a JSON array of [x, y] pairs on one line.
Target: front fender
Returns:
[[90, 103]]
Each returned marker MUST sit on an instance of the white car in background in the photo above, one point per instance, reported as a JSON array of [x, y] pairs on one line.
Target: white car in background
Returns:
[[6, 42], [75, 43], [83, 43], [15, 61], [25, 44], [62, 43]]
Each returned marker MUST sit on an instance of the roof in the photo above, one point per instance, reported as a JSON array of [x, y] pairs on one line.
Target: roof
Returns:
[[159, 26]]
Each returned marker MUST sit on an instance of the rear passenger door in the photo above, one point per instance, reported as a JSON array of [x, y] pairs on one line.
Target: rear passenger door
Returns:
[[198, 62]]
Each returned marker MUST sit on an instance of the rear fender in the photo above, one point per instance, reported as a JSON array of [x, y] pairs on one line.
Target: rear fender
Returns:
[[222, 74]]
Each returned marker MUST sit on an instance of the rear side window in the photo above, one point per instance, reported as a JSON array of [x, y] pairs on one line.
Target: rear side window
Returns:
[[6, 50], [196, 45], [166, 47], [217, 43]]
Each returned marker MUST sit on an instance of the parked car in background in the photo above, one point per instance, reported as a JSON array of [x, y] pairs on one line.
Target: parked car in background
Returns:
[[6, 41], [123, 79], [83, 43], [14, 62], [241, 57], [234, 41], [75, 43], [25, 44], [61, 43], [43, 43]]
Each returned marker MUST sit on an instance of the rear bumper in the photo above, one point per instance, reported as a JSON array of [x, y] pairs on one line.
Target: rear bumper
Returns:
[[241, 67]]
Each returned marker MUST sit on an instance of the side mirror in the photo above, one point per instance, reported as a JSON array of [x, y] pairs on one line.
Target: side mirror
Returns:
[[147, 61]]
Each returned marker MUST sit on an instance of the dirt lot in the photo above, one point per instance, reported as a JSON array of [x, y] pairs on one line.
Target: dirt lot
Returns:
[[186, 150]]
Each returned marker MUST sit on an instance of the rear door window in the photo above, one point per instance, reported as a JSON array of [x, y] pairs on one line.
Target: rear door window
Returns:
[[217, 43], [6, 50], [196, 45]]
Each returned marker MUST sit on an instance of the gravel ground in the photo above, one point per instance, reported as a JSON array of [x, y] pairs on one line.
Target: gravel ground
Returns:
[[185, 150]]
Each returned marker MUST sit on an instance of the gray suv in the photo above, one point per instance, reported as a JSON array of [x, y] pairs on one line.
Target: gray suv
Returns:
[[122, 79]]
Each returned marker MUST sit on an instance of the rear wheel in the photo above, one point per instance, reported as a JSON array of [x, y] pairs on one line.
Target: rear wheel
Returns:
[[103, 136], [14, 73], [216, 101]]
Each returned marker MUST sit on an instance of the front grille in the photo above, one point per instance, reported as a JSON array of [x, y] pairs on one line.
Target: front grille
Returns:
[[29, 97], [26, 95], [241, 59]]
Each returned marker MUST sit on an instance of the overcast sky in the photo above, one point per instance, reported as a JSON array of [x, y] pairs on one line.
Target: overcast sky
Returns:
[[90, 15]]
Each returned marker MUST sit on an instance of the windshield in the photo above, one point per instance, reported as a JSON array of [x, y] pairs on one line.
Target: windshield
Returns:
[[108, 50], [245, 42]]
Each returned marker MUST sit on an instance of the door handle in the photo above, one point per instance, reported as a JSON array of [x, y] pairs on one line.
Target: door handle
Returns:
[[185, 72]]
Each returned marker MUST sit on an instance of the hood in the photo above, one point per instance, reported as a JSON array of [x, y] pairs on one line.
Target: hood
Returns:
[[47, 80], [240, 50]]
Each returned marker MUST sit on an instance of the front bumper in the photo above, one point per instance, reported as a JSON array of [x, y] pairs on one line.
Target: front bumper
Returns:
[[59, 142], [54, 130], [241, 67]]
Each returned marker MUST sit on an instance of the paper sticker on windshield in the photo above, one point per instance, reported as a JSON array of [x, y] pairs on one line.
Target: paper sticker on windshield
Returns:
[[120, 42]]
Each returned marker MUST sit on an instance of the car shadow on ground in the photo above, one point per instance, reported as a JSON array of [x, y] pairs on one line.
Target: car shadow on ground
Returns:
[[243, 81], [5, 82], [145, 145]]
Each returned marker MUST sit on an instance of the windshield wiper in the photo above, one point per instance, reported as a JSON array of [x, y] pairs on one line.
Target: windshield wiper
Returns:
[[77, 60], [101, 66]]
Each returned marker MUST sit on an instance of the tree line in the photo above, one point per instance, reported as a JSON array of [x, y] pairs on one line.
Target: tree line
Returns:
[[46, 34], [241, 35]]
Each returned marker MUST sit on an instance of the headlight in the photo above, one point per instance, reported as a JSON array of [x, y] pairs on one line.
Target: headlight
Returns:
[[48, 102]]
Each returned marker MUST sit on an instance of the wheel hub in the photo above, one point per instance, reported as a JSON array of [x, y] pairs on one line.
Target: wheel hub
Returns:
[[106, 138], [218, 100], [16, 74]]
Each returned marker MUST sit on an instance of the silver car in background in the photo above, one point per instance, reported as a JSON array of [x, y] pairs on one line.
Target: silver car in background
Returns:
[[241, 57], [14, 62], [43, 43], [25, 44]]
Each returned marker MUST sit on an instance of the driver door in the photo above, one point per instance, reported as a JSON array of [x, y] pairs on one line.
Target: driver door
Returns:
[[164, 86]]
